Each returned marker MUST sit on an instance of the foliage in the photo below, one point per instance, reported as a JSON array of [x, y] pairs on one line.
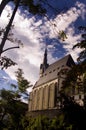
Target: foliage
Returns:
[[23, 84], [62, 35], [6, 62], [73, 114], [6, 35], [82, 45], [45, 123], [11, 110], [33, 8], [40, 123], [76, 77]]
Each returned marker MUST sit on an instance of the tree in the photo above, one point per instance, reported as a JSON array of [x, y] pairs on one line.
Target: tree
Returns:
[[74, 114], [76, 77], [23, 84], [34, 9], [8, 29], [4, 61], [7, 62], [12, 108], [82, 45]]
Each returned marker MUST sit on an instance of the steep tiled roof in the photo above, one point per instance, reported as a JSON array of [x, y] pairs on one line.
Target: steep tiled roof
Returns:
[[51, 72]]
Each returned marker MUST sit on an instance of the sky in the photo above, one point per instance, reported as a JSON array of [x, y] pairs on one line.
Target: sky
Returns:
[[36, 32]]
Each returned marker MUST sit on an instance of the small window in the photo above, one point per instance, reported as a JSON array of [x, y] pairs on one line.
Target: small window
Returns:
[[53, 70], [50, 72]]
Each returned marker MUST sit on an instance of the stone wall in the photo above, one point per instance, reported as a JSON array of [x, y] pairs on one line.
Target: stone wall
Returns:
[[43, 98], [48, 113]]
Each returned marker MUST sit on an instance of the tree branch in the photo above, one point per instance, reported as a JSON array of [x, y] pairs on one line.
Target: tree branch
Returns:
[[10, 48], [8, 27]]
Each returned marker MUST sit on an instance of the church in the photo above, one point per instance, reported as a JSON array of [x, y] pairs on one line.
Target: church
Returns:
[[44, 95]]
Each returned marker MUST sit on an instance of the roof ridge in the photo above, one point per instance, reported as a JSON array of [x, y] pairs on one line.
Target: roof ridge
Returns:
[[60, 59]]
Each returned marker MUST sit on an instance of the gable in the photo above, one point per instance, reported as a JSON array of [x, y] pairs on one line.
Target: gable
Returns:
[[51, 72]]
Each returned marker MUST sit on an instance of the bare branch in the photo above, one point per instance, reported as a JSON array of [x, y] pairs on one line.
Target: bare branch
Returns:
[[8, 27], [11, 48]]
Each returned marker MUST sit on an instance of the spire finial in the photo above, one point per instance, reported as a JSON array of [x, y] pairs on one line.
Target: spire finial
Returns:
[[45, 55], [45, 65]]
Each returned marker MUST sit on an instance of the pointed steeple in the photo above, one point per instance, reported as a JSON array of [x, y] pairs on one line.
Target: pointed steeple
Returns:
[[45, 57], [45, 65]]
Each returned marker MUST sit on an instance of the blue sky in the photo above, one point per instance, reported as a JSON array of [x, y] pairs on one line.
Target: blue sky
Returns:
[[36, 31]]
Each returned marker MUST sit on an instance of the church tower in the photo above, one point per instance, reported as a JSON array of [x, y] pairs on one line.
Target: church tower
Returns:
[[44, 65]]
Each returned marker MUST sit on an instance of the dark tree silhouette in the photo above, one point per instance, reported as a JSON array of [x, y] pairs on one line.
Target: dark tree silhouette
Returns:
[[4, 61], [8, 29], [3, 4]]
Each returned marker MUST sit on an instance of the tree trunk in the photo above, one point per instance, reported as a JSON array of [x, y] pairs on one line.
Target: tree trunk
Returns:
[[84, 85], [8, 28], [3, 4]]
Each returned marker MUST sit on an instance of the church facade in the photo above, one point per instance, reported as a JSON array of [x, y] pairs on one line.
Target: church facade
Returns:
[[44, 95]]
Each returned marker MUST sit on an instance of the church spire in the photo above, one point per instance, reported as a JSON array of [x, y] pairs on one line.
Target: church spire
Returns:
[[45, 65], [45, 57]]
